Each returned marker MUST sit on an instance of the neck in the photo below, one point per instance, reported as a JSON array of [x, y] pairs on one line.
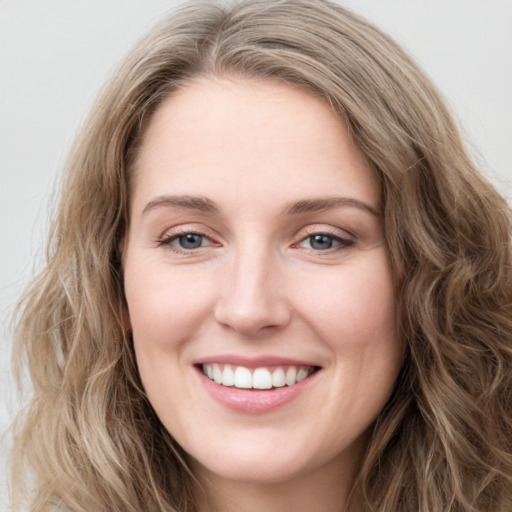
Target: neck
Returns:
[[324, 490]]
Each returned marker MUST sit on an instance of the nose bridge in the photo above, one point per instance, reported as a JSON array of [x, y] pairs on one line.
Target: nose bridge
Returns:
[[252, 297]]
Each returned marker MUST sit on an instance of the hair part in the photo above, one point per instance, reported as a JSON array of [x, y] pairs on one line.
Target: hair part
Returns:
[[90, 439]]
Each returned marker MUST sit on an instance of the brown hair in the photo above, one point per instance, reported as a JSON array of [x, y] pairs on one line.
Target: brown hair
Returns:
[[89, 438]]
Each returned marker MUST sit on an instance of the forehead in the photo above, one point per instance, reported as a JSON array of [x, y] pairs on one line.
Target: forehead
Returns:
[[254, 137]]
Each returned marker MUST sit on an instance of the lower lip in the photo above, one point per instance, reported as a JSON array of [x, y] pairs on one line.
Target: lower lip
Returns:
[[254, 401]]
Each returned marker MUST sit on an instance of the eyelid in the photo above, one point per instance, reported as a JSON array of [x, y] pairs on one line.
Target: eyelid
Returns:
[[343, 241], [322, 229], [167, 240], [171, 234]]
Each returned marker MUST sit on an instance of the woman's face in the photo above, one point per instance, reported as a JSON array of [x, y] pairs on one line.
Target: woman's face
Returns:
[[255, 254]]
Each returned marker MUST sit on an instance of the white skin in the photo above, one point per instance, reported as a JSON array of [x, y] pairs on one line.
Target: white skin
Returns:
[[258, 283]]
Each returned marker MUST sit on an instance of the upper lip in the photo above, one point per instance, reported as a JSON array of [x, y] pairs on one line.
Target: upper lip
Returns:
[[253, 362]]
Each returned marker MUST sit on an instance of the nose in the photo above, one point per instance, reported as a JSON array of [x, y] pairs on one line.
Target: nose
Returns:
[[252, 298]]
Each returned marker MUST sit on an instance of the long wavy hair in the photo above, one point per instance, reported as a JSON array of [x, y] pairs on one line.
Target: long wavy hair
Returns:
[[89, 439]]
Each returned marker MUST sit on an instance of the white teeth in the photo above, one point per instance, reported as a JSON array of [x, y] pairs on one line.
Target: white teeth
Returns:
[[278, 378], [243, 378], [217, 374], [228, 376], [260, 378], [301, 374], [291, 374]]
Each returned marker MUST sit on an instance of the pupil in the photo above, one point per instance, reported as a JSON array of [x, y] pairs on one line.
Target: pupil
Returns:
[[190, 241], [321, 242]]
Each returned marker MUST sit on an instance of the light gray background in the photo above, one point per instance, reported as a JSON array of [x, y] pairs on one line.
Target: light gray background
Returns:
[[55, 55]]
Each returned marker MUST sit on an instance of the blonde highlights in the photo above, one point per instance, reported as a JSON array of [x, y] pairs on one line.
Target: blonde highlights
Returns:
[[90, 439]]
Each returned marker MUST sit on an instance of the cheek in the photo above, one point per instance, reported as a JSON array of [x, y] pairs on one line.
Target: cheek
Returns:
[[353, 307], [164, 308]]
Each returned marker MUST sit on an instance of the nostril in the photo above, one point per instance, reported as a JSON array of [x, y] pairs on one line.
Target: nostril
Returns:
[[251, 322]]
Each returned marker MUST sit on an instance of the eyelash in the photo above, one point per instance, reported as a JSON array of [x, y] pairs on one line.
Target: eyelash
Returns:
[[167, 241], [340, 242]]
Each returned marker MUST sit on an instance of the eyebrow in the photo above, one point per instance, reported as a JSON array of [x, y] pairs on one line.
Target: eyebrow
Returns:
[[322, 204], [203, 204], [199, 203]]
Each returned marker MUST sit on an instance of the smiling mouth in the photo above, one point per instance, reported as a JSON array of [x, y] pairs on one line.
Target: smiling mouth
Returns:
[[267, 378]]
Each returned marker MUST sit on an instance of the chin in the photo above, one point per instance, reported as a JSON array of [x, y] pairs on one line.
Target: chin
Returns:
[[249, 471], [250, 462]]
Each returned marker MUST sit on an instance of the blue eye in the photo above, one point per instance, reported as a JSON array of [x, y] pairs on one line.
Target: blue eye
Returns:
[[184, 242], [190, 241], [321, 242], [324, 242]]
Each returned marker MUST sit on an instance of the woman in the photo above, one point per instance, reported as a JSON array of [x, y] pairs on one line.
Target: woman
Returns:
[[275, 281]]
